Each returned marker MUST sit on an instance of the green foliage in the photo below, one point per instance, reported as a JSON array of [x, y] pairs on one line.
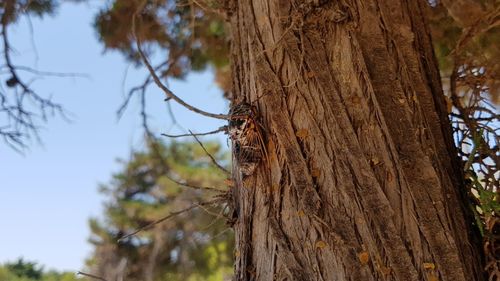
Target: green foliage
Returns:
[[194, 245], [489, 201], [21, 270]]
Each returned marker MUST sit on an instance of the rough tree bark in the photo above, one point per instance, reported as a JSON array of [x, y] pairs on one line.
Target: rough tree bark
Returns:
[[361, 180]]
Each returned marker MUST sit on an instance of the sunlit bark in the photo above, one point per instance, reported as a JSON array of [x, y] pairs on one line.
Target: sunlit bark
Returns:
[[361, 180]]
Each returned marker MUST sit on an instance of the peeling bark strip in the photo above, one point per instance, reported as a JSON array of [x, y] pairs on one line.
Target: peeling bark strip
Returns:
[[362, 180]]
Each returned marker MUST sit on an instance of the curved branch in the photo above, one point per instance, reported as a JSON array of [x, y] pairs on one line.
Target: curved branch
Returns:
[[169, 216], [168, 93]]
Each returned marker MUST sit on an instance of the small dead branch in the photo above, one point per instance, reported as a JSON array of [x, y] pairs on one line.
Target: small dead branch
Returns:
[[164, 67], [91, 276], [13, 139], [217, 217], [48, 73], [194, 186], [210, 155], [140, 88], [171, 215], [221, 129]]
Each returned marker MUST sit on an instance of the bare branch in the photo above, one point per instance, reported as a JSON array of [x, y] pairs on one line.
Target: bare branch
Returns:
[[144, 116], [91, 276], [172, 117], [142, 88], [47, 73], [164, 88], [194, 186], [221, 129], [171, 215], [217, 217], [12, 139]]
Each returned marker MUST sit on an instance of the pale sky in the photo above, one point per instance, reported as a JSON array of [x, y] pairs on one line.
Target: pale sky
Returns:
[[48, 194]]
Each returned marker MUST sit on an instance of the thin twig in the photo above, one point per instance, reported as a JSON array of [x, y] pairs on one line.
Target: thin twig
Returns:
[[210, 155], [216, 219], [172, 117], [144, 115], [171, 215], [164, 88], [91, 276], [221, 129], [193, 186], [220, 233], [144, 85]]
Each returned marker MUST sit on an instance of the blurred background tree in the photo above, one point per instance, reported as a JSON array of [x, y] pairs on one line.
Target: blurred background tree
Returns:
[[22, 270], [193, 245]]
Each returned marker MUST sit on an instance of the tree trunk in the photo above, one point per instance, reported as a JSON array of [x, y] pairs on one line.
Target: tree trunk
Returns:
[[361, 179]]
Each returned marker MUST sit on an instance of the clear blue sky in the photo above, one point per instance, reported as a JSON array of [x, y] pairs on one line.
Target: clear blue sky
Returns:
[[47, 195]]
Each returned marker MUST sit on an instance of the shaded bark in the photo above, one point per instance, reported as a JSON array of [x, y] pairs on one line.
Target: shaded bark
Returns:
[[361, 181]]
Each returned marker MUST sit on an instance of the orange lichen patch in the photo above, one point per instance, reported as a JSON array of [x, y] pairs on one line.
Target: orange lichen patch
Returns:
[[321, 244], [363, 257], [302, 134], [310, 74], [356, 100], [385, 270], [390, 177], [374, 161], [429, 265], [315, 173]]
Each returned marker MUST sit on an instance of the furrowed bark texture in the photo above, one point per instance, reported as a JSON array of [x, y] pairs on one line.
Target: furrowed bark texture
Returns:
[[361, 180]]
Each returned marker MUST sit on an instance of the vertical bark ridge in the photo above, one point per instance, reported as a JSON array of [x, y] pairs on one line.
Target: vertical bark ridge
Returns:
[[430, 168], [358, 161]]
